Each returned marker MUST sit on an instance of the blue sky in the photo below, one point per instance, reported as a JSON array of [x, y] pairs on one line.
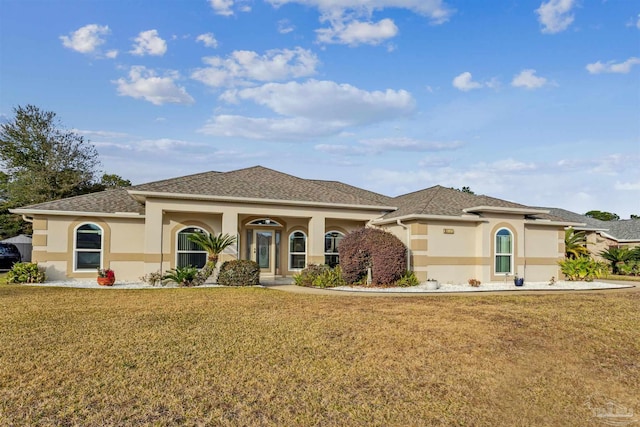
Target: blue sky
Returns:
[[537, 102]]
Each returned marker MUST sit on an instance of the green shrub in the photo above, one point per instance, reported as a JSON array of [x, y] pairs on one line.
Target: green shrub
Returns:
[[183, 276], [375, 248], [408, 279], [25, 272], [309, 274], [320, 276], [239, 273], [583, 268]]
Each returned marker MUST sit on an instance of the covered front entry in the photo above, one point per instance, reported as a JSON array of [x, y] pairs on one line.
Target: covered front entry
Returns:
[[262, 244], [265, 249]]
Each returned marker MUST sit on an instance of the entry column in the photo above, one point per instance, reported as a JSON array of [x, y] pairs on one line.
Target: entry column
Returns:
[[315, 245], [230, 227]]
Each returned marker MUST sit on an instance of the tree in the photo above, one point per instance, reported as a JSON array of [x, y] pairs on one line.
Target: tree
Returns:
[[41, 161], [603, 216], [114, 181], [214, 245], [634, 216], [464, 190], [575, 243], [44, 161]]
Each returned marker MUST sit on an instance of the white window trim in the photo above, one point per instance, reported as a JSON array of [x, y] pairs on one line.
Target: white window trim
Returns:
[[306, 240], [510, 254], [325, 237], [76, 250], [178, 252]]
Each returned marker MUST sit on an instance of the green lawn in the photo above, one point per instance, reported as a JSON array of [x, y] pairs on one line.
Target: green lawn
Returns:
[[222, 356]]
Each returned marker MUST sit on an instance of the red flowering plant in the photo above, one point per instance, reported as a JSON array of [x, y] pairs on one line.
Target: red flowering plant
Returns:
[[106, 272]]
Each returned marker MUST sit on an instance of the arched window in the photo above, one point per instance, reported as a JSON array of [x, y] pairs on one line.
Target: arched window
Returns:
[[504, 252], [331, 241], [88, 247], [297, 250], [187, 252]]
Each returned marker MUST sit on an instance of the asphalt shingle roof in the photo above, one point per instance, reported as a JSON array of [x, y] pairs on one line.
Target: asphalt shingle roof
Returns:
[[108, 201], [262, 183], [440, 200], [625, 229]]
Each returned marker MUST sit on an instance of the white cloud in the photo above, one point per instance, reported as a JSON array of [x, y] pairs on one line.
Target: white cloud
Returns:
[[144, 83], [436, 10], [528, 80], [222, 7], [555, 15], [330, 102], [464, 82], [243, 66], [149, 43], [627, 186], [350, 20], [112, 54], [208, 39], [310, 109], [638, 23], [355, 32], [285, 27], [381, 145], [611, 67], [86, 39], [409, 144]]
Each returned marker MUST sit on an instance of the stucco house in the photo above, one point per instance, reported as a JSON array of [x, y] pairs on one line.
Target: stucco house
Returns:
[[285, 223]]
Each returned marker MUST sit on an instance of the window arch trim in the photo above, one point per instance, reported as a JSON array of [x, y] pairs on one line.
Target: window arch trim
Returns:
[[503, 253], [90, 265]]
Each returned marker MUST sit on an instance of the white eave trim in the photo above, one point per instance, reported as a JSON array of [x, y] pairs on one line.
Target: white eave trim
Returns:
[[142, 195], [523, 211], [553, 223], [463, 218], [32, 212]]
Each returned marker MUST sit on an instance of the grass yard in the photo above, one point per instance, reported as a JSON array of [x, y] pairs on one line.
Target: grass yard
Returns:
[[220, 356]]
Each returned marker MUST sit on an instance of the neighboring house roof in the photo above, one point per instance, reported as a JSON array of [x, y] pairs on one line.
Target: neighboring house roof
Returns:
[[621, 230], [443, 201], [108, 201], [261, 183]]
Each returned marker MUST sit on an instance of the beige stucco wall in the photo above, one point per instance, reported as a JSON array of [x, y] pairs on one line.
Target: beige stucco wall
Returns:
[[454, 251], [122, 246]]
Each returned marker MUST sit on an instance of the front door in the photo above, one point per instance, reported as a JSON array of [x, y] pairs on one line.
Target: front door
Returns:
[[264, 250]]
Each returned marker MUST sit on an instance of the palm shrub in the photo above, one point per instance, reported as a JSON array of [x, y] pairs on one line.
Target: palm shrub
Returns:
[[183, 276], [616, 257], [214, 245], [240, 272], [575, 243], [25, 272], [372, 248], [408, 279], [583, 268]]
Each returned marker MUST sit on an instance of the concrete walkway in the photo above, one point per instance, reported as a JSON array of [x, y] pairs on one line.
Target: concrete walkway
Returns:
[[287, 287]]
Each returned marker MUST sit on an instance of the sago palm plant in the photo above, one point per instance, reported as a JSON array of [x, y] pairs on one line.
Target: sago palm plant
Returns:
[[575, 243], [214, 245]]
